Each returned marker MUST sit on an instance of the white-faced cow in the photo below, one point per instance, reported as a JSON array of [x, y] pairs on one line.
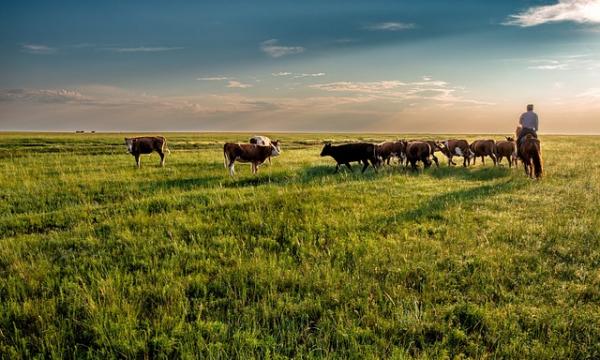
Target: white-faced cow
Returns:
[[452, 148], [507, 149], [252, 153], [347, 153], [420, 151], [484, 148], [265, 141], [146, 145]]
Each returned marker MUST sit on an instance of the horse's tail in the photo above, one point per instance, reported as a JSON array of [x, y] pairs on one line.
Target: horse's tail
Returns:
[[536, 157]]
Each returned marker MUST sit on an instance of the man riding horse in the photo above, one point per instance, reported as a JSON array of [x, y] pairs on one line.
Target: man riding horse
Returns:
[[528, 145], [528, 123]]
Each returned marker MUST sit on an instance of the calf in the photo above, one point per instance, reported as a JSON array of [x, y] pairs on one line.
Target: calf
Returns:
[[146, 145], [265, 141], [387, 150], [484, 148], [451, 148], [347, 153], [420, 151], [507, 149], [252, 153]]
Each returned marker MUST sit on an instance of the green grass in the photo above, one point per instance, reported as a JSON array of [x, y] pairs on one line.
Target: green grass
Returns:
[[100, 259]]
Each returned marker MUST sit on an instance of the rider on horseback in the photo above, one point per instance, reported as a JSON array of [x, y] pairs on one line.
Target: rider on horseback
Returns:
[[529, 124]]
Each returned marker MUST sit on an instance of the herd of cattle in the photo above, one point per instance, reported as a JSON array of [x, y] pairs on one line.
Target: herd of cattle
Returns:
[[408, 152]]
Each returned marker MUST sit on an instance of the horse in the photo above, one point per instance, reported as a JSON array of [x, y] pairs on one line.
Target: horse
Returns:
[[530, 153]]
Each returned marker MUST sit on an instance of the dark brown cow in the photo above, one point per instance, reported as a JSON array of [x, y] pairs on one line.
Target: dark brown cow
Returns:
[[451, 148], [146, 145], [389, 149], [507, 149], [252, 153], [420, 151], [484, 148], [347, 153]]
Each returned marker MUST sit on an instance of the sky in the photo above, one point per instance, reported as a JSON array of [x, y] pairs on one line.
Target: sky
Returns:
[[464, 66]]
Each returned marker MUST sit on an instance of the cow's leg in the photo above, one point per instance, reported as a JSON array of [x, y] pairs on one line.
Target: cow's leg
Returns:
[[435, 159], [413, 164], [483, 160], [494, 159], [255, 168], [337, 168], [162, 158], [137, 160], [365, 165], [231, 166], [449, 160], [348, 166], [374, 163]]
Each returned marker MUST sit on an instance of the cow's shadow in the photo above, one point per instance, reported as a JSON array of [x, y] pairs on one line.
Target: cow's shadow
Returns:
[[471, 173], [434, 207]]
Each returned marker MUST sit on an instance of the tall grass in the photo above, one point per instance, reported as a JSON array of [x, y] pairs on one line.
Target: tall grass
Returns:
[[100, 259]]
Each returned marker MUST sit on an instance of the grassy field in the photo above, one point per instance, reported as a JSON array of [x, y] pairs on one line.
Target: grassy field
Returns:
[[100, 259]]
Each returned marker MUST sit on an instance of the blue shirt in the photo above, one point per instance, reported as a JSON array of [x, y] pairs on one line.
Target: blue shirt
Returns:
[[529, 120]]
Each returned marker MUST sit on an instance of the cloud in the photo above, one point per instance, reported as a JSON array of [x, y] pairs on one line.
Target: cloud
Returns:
[[213, 78], [394, 90], [43, 96], [579, 11], [38, 49], [271, 48], [298, 75], [144, 49], [566, 62], [390, 26], [282, 73], [238, 85]]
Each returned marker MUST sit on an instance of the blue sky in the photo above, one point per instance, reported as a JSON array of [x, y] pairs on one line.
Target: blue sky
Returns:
[[397, 66]]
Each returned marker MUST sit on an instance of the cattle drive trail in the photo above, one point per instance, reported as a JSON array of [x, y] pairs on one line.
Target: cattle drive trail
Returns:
[[98, 256]]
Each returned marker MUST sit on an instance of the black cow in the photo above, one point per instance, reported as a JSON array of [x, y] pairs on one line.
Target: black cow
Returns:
[[347, 153]]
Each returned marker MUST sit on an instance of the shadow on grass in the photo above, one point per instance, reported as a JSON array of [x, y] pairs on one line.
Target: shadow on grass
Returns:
[[479, 173], [432, 208]]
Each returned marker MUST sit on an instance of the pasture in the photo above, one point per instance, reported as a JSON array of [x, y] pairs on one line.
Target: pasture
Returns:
[[100, 259]]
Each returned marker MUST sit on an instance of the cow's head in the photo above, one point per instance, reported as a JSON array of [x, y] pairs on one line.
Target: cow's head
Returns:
[[275, 150], [277, 146], [510, 138], [326, 149], [129, 143]]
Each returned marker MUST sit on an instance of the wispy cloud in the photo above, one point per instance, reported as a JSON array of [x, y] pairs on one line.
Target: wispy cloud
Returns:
[[38, 49], [238, 85], [298, 75], [144, 49], [282, 73], [390, 26], [394, 90], [567, 62], [273, 49], [579, 11], [43, 95], [213, 78]]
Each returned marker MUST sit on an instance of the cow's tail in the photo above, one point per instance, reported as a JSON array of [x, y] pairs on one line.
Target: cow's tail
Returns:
[[164, 146], [536, 157], [225, 158]]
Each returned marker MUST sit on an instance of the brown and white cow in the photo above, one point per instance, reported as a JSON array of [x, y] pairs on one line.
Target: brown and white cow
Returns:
[[146, 145], [387, 150], [507, 149], [484, 148], [420, 151], [252, 153], [265, 141], [451, 148]]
